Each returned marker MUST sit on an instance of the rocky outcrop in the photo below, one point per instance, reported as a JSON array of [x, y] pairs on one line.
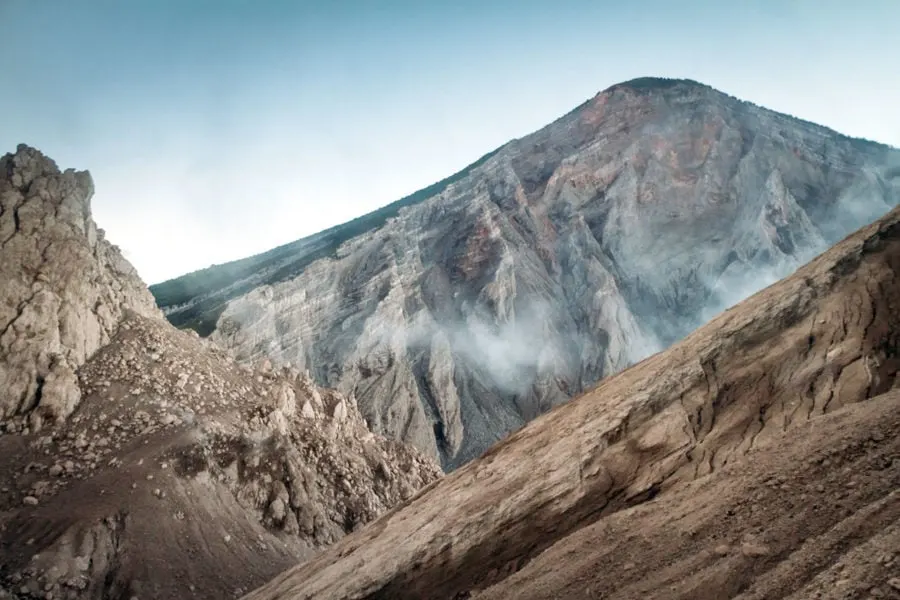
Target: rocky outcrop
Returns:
[[161, 468], [558, 260], [182, 473], [64, 288], [756, 458]]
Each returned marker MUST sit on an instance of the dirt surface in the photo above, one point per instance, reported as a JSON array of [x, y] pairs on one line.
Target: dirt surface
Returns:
[[740, 412], [813, 513]]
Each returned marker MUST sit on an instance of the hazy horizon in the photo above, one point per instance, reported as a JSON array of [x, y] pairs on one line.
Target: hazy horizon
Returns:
[[217, 130]]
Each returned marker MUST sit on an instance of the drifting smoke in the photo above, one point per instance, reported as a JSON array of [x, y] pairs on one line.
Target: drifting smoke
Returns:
[[863, 203], [735, 287], [868, 199], [512, 353], [536, 339]]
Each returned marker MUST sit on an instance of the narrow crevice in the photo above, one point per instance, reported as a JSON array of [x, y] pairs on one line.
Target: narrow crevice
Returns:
[[19, 310]]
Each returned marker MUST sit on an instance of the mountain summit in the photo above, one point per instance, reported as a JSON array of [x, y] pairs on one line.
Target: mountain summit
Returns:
[[464, 311]]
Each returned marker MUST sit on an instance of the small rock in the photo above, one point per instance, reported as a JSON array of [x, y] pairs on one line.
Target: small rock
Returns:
[[754, 549], [722, 549], [56, 470], [307, 411], [894, 583], [30, 501]]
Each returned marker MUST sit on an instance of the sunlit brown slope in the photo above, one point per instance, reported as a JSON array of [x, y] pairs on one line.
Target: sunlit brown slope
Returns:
[[759, 375]]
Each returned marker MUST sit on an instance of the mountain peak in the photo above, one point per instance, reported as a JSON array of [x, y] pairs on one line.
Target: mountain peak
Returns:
[[653, 84], [623, 225]]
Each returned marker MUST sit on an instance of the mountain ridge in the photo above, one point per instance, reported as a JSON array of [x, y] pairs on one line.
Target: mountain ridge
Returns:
[[168, 293], [562, 258], [172, 298]]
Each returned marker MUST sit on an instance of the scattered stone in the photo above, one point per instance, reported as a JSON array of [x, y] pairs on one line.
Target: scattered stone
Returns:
[[754, 549]]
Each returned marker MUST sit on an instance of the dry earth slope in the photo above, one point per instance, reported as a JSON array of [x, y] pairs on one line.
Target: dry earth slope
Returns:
[[139, 461], [757, 458]]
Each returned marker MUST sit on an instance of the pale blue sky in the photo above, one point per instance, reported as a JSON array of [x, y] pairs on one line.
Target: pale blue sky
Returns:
[[218, 129]]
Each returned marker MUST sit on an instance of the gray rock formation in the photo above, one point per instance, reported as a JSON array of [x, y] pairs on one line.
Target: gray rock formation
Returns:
[[64, 287], [137, 460], [757, 458], [557, 260]]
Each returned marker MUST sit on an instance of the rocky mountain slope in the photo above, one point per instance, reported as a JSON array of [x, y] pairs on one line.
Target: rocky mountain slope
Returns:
[[757, 458], [137, 460], [559, 259]]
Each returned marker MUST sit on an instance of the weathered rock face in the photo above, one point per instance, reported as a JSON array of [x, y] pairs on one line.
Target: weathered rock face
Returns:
[[64, 288], [560, 259], [758, 458], [161, 468]]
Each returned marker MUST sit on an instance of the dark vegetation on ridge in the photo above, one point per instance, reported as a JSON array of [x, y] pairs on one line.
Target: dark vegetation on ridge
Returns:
[[211, 288], [196, 300], [217, 284]]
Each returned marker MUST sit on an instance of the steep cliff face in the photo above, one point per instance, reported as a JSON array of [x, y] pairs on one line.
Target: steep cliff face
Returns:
[[758, 458], [560, 259], [64, 287], [137, 460]]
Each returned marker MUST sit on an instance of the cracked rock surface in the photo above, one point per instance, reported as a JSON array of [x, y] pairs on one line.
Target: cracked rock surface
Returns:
[[162, 468], [64, 287]]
